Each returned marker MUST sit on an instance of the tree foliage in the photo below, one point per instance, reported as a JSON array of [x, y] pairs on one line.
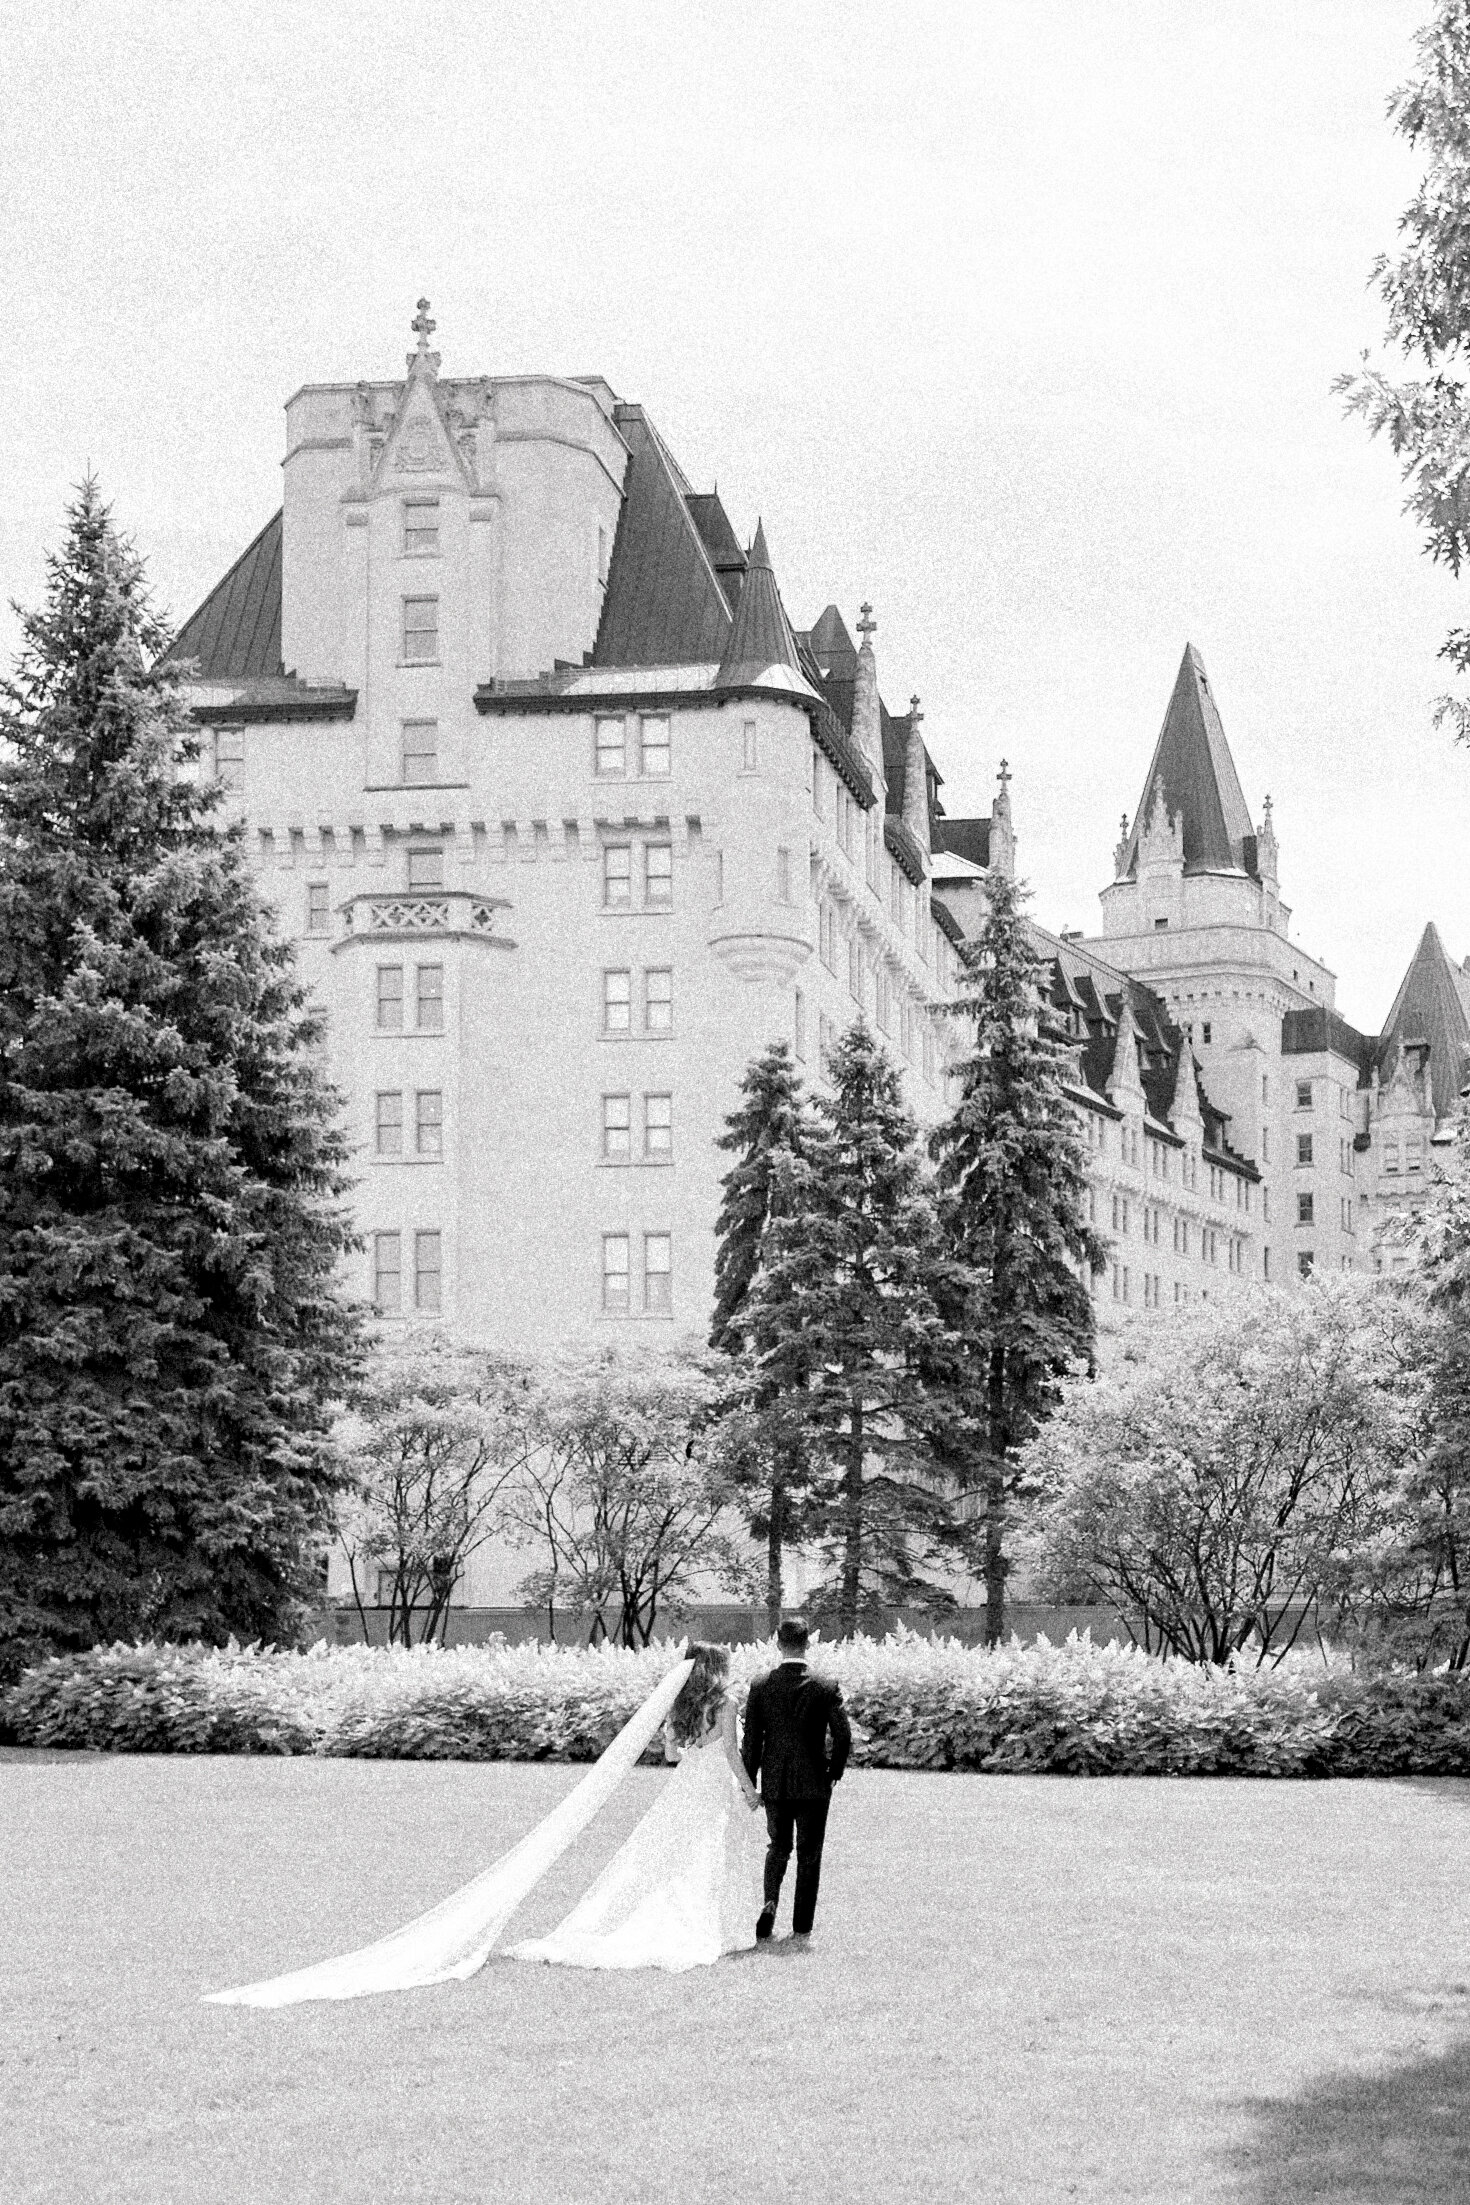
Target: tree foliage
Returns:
[[172, 1335], [763, 1445], [624, 1493], [851, 1362], [1013, 1183], [435, 1435], [1426, 288], [1234, 1468]]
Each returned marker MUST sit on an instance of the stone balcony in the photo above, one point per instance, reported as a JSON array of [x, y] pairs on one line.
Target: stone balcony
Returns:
[[443, 914]]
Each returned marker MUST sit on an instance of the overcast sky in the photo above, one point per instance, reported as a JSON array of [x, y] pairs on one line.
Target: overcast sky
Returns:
[[1018, 319]]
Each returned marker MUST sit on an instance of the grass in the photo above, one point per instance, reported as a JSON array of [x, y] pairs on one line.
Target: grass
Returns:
[[1024, 1990]]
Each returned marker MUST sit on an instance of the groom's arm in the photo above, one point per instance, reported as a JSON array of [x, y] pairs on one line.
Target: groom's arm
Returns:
[[755, 1733], [841, 1732]]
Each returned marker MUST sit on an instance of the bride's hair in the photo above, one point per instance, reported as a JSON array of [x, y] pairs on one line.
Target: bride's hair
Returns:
[[704, 1688]]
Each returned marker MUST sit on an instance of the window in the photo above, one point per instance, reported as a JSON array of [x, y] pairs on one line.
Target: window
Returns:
[[658, 1000], [1265, 1205], [426, 868], [1266, 1265], [1204, 1032], [747, 747], [1265, 1144], [617, 1002], [617, 876], [429, 999], [420, 528], [783, 876], [1304, 1148], [658, 1128], [655, 747], [819, 768], [1265, 1090], [318, 915], [827, 930], [800, 1025], [388, 1126], [1391, 1156], [388, 1274], [855, 968], [420, 753], [428, 1267], [658, 875], [1305, 1204], [1159, 925], [390, 999], [429, 1121], [719, 876], [883, 994], [1304, 1094], [615, 1274], [658, 1274], [229, 756], [612, 749], [1413, 1153], [421, 630], [617, 1129], [1304, 1263]]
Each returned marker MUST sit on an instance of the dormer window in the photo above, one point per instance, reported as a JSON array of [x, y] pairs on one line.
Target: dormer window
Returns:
[[421, 528]]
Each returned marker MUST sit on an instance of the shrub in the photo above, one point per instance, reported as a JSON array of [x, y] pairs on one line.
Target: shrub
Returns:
[[917, 1703]]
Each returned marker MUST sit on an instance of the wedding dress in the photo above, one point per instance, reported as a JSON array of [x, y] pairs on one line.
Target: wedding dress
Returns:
[[455, 1938], [685, 1886]]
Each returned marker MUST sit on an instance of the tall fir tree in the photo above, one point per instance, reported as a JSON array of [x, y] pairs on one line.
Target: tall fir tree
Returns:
[[172, 1330], [770, 1124], [847, 1336], [1013, 1183]]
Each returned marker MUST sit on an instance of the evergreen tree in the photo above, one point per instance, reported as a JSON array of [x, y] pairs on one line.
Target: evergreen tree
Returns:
[[1012, 1178], [769, 1124], [847, 1337], [171, 1331]]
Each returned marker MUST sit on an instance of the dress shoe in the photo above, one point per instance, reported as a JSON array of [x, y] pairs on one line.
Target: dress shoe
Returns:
[[765, 1923]]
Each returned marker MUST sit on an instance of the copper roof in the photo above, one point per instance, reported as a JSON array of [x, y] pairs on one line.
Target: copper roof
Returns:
[[1194, 772], [664, 605], [236, 633], [1431, 1008]]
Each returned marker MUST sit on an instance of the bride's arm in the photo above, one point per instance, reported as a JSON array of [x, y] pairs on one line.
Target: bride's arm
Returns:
[[729, 1738], [671, 1743]]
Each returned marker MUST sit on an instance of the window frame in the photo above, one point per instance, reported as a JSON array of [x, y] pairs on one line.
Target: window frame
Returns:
[[423, 997], [420, 658]]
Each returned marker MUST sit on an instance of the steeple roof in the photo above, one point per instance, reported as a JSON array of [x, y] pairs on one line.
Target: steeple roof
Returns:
[[762, 652], [1194, 772], [1432, 1007]]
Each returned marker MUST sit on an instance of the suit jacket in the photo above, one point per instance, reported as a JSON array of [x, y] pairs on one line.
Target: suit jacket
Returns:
[[788, 1718]]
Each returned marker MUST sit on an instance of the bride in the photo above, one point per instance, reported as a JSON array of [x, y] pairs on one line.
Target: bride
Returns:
[[685, 1886]]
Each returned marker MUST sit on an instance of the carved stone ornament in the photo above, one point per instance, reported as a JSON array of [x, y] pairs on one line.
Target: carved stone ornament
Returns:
[[418, 447]]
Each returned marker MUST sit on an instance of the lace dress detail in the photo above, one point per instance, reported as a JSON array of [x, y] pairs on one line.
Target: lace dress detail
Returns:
[[683, 1888]]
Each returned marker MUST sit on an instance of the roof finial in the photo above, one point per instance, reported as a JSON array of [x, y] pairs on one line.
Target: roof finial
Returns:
[[1004, 775], [866, 623], [421, 325], [915, 715]]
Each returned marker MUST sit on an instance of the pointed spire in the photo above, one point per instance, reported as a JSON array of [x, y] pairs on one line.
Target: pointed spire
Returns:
[[916, 780], [1184, 1103], [1267, 854], [1125, 1077], [1194, 772], [1431, 1008], [867, 714], [1002, 835], [761, 652], [1120, 851]]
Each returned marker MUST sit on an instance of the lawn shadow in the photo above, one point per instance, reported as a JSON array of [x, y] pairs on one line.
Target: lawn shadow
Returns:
[[1398, 2137]]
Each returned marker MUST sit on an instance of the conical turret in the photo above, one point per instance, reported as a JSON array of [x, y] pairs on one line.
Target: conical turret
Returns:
[[761, 652], [1192, 776]]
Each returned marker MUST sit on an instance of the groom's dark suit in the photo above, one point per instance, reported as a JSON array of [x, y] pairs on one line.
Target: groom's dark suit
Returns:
[[789, 1717]]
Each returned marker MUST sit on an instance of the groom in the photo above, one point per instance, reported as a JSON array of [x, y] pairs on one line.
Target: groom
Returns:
[[788, 1718]]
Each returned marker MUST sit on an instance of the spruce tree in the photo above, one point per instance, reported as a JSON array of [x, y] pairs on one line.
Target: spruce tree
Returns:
[[846, 1332], [769, 1124], [1013, 1183], [172, 1334]]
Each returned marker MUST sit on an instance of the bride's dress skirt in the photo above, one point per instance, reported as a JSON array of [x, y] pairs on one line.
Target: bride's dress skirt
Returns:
[[684, 1888]]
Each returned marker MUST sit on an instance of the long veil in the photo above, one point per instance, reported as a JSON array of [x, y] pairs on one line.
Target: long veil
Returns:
[[455, 1937]]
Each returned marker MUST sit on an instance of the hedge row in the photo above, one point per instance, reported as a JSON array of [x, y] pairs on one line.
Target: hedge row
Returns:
[[1076, 1709]]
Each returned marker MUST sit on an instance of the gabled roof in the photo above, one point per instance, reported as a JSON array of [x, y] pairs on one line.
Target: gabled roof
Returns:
[[1433, 1007], [762, 652], [236, 633], [1194, 772], [832, 647], [664, 604]]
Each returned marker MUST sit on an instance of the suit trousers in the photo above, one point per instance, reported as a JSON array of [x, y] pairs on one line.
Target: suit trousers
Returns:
[[807, 1818]]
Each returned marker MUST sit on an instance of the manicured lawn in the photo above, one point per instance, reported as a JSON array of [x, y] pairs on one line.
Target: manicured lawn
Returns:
[[1021, 1990]]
